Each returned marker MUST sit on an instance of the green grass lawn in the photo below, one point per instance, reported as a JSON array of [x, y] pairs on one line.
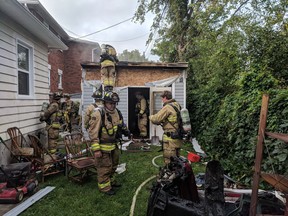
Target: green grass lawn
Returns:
[[70, 198]]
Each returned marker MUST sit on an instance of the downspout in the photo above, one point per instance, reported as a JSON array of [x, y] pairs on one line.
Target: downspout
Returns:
[[82, 97]]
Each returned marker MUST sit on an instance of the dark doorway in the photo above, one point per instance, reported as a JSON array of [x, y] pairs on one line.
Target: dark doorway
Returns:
[[132, 116]]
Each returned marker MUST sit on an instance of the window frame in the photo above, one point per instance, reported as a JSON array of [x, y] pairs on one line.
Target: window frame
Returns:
[[30, 70], [60, 79], [49, 76]]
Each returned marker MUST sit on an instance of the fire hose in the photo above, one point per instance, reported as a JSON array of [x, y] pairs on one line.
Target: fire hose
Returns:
[[139, 188]]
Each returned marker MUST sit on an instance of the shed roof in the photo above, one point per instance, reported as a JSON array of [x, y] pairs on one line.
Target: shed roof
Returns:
[[124, 64]]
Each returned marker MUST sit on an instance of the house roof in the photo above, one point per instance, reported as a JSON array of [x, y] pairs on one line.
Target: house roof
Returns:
[[78, 40], [180, 65], [21, 15], [37, 6]]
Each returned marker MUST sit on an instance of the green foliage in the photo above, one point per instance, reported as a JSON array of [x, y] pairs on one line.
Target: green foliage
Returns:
[[132, 56], [236, 50]]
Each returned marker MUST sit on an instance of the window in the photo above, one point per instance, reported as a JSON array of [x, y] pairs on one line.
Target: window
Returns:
[[96, 55], [60, 78], [24, 55]]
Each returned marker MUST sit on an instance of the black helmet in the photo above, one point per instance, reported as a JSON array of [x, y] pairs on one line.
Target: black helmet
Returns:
[[97, 94], [111, 97], [57, 95], [66, 95]]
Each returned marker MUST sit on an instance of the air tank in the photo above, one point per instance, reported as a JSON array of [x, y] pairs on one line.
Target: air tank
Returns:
[[185, 119]]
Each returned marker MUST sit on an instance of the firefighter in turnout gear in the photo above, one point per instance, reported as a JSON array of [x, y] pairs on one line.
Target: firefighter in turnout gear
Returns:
[[97, 95], [167, 118], [105, 130], [68, 111], [52, 116], [141, 112], [108, 59]]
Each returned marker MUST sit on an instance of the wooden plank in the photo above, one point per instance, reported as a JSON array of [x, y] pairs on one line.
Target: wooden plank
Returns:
[[259, 154], [280, 136], [279, 182]]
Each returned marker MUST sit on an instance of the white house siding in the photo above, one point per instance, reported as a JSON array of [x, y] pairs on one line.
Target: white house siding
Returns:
[[87, 91], [14, 111], [123, 103], [178, 91]]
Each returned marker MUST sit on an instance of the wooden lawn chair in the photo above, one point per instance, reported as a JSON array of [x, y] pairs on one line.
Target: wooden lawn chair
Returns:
[[79, 158], [48, 163], [19, 146]]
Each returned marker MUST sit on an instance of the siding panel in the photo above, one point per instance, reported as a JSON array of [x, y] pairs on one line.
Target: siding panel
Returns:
[[6, 69], [123, 103]]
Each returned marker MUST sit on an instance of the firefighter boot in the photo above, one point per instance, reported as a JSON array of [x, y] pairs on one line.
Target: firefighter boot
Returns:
[[111, 192]]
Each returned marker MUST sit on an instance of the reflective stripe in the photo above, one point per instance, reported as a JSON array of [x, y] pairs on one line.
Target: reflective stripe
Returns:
[[167, 138], [108, 146], [95, 147], [107, 63], [172, 118], [103, 147], [104, 185], [55, 125], [106, 82], [52, 151], [110, 131]]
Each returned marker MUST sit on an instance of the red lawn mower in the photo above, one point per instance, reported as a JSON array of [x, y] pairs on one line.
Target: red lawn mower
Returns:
[[16, 180]]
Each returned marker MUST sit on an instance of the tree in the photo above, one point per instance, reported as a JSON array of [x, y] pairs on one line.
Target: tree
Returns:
[[236, 50], [132, 56]]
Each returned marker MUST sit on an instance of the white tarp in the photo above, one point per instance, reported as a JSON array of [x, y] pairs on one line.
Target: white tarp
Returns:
[[164, 82], [93, 83]]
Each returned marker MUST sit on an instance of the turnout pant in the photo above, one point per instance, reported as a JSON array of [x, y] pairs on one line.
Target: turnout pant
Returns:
[[106, 167], [171, 147]]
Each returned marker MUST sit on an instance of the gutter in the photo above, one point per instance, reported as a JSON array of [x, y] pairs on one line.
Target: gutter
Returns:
[[14, 10]]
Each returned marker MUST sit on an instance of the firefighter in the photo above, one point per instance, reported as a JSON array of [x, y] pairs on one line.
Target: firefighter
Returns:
[[52, 117], [167, 118], [108, 59], [98, 102], [141, 112], [106, 127], [50, 97], [69, 112]]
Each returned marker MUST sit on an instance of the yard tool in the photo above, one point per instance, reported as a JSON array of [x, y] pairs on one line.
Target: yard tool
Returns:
[[154, 139], [15, 182]]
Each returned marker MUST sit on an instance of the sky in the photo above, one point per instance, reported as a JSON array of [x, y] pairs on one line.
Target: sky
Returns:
[[82, 17]]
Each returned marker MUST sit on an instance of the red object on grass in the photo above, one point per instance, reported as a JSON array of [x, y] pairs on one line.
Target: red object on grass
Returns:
[[193, 157]]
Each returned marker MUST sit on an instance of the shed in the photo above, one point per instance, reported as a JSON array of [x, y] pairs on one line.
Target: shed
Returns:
[[147, 77]]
